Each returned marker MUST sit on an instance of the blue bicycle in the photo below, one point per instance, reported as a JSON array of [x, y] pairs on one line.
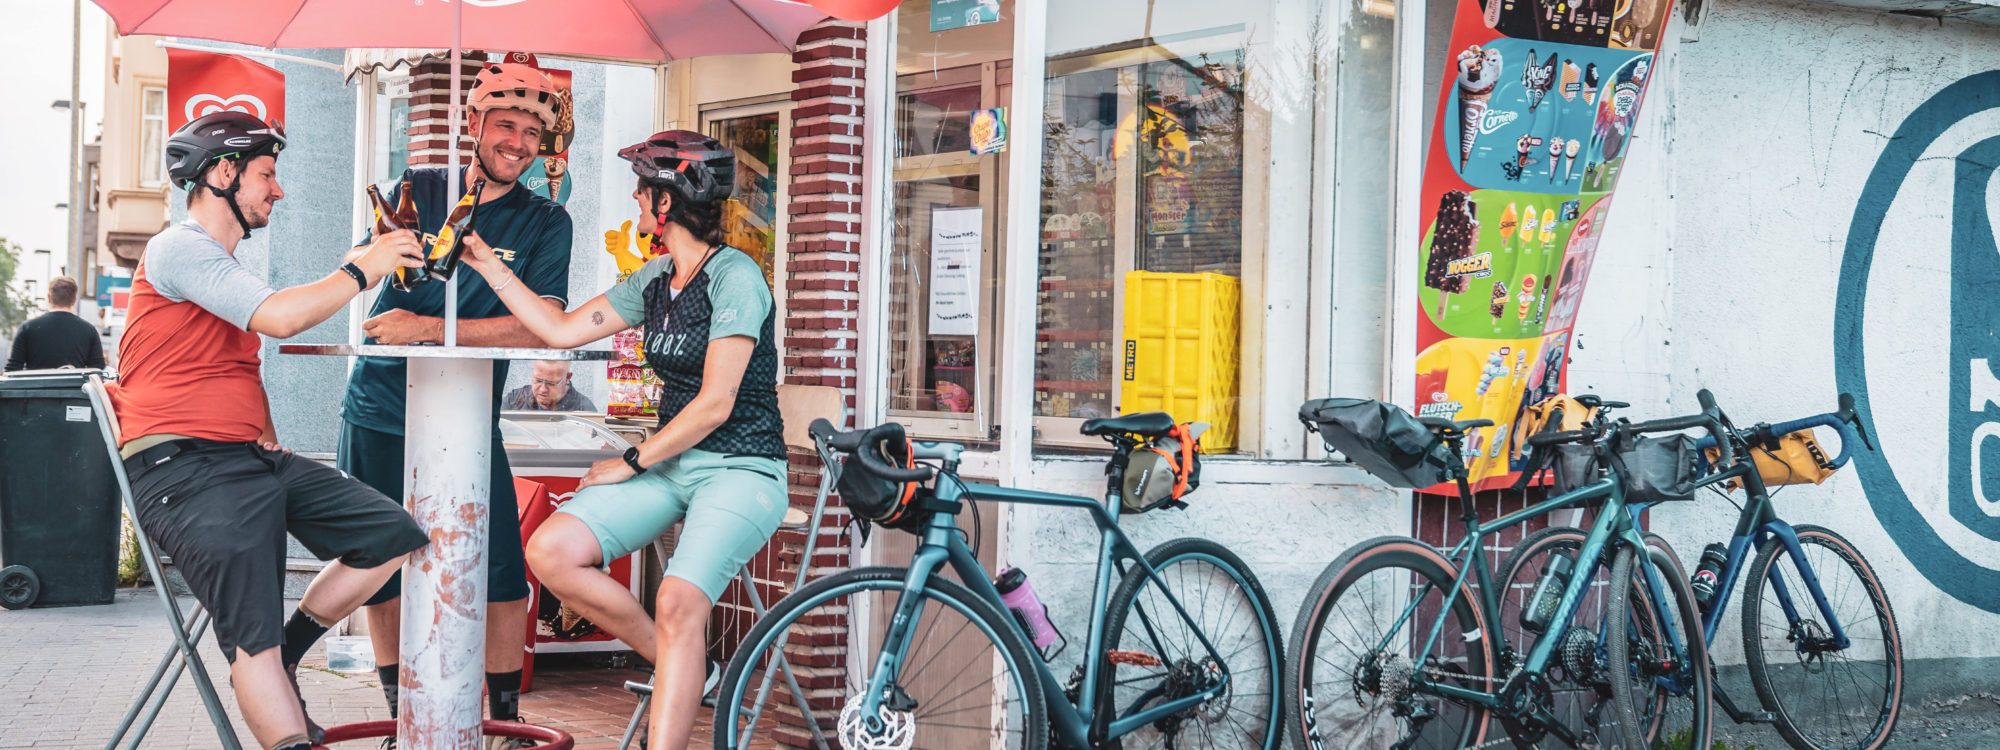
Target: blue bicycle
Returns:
[[1824, 655], [1184, 653], [1395, 644]]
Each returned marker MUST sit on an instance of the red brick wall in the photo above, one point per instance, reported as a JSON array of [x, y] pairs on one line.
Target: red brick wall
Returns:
[[430, 115]]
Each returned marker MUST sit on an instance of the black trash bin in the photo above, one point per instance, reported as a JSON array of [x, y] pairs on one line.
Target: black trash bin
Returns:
[[59, 504]]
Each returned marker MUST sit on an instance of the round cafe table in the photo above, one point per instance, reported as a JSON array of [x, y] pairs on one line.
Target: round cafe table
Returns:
[[448, 436]]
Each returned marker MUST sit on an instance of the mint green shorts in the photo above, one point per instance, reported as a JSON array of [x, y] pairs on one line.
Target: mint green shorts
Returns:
[[731, 506]]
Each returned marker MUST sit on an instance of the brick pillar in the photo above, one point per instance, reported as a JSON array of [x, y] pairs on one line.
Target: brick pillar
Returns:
[[430, 113], [823, 301]]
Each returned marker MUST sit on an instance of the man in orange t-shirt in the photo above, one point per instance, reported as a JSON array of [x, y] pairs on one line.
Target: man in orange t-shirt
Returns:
[[213, 488]]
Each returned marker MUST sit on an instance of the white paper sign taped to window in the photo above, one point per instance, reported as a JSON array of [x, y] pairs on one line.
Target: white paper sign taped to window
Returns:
[[956, 236], [76, 413]]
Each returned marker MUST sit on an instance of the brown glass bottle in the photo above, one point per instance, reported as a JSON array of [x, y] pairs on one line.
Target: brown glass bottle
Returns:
[[404, 217], [443, 259]]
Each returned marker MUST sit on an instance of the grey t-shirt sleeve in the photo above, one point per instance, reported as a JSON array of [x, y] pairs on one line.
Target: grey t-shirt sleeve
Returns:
[[192, 267]]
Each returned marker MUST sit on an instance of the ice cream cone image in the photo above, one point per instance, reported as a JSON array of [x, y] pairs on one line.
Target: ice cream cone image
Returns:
[[1555, 153], [558, 169], [1478, 72], [1569, 157]]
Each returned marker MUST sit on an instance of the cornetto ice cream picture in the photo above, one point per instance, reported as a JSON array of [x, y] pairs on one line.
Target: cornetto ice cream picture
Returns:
[[1517, 107]]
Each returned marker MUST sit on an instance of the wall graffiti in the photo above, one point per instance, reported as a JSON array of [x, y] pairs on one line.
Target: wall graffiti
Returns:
[[1940, 553]]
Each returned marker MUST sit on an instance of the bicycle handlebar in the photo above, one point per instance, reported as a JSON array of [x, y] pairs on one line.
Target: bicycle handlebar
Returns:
[[865, 446]]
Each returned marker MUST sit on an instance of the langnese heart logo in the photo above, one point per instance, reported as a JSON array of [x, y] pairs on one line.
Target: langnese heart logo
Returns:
[[202, 105]]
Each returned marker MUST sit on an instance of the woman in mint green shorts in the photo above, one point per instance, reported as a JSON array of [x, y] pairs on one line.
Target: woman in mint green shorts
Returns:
[[717, 462]]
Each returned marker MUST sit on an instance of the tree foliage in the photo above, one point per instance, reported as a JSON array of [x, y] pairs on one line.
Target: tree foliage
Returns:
[[15, 307]]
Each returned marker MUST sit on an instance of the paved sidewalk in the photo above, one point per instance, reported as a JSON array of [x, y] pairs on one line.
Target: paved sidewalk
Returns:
[[67, 676]]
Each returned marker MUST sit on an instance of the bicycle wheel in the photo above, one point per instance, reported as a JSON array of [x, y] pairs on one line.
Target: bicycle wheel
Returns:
[[1579, 684], [1660, 680], [1824, 697], [1153, 654], [966, 679], [1353, 653]]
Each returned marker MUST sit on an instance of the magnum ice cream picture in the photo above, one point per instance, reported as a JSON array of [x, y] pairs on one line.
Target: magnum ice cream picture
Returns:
[[1452, 263], [1478, 74]]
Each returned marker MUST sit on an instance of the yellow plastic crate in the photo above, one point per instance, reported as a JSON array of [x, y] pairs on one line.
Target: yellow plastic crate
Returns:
[[1182, 354]]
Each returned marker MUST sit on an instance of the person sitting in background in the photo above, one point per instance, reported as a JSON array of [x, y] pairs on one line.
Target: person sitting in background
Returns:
[[57, 338], [551, 391]]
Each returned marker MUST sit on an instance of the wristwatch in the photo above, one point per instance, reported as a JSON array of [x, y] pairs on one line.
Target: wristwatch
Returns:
[[632, 460]]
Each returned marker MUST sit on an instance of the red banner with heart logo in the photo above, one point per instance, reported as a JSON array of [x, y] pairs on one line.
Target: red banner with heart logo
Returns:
[[201, 83]]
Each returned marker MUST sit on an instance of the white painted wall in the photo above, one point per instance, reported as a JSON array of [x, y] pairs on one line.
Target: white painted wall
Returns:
[[1726, 246]]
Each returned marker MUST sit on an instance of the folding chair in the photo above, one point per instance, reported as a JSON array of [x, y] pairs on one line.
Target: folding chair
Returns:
[[800, 405], [188, 630]]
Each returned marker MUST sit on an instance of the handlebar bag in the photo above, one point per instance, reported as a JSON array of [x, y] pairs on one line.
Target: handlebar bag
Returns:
[[1796, 458], [1382, 439], [872, 498], [1659, 468]]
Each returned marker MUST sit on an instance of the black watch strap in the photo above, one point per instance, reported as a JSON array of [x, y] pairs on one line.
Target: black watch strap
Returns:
[[360, 279], [632, 460]]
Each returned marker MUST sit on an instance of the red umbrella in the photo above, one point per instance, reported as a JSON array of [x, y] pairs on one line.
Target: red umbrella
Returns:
[[626, 30]]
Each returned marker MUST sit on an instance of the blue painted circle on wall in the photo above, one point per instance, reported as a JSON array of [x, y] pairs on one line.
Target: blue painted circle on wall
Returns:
[[1945, 567]]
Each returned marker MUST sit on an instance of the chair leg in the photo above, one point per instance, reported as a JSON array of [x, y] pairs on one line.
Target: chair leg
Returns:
[[153, 689], [778, 660], [638, 716], [225, 732]]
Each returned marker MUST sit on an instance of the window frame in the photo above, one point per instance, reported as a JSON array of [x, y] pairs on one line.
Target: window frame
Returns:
[[715, 113], [153, 165]]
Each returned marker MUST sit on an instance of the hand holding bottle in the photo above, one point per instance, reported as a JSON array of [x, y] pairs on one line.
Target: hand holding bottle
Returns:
[[388, 252]]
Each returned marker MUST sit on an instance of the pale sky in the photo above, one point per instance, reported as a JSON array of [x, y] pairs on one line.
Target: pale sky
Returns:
[[37, 39]]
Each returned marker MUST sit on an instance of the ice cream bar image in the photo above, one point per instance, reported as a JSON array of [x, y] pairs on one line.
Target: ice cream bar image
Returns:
[[1572, 80], [1510, 220], [1492, 17], [1524, 149], [1497, 306], [1569, 157], [1478, 73], [1538, 79], [1452, 239], [1590, 84], [1555, 152], [1526, 298], [1529, 220], [1548, 225]]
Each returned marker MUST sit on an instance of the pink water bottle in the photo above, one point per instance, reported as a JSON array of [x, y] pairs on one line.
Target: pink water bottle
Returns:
[[1019, 596]]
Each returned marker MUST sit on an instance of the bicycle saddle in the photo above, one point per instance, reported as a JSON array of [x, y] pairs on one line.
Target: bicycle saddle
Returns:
[[1448, 427], [1150, 424]]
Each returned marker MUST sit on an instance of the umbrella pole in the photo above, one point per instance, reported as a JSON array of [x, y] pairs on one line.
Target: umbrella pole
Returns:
[[444, 602]]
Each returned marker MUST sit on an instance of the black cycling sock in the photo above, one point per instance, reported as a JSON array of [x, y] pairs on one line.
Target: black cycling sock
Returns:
[[503, 695], [389, 675], [301, 632]]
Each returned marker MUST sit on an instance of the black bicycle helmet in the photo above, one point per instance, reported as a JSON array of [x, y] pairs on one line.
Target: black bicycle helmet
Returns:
[[210, 138], [694, 166]]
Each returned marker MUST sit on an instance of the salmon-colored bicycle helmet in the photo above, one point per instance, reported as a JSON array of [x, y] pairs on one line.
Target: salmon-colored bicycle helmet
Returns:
[[517, 86]]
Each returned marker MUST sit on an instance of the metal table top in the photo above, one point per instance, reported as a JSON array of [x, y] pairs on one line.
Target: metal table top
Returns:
[[449, 352]]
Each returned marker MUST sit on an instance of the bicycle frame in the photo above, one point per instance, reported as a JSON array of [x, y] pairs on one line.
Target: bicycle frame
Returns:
[[943, 544], [1613, 524]]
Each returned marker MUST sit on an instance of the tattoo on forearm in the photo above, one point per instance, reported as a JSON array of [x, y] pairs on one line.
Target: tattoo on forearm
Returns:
[[597, 317]]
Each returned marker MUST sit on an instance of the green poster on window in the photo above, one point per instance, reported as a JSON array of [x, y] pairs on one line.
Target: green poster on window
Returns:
[[957, 14]]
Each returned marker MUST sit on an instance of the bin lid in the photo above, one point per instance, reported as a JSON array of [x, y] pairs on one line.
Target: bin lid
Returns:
[[46, 380]]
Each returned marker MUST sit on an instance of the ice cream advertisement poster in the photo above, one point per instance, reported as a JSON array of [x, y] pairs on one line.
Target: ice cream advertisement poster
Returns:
[[1535, 116]]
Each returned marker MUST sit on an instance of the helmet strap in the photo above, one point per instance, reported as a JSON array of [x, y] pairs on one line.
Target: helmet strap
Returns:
[[228, 195]]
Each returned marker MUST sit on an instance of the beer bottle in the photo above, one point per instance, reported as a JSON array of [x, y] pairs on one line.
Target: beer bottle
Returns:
[[406, 218], [450, 242], [385, 218]]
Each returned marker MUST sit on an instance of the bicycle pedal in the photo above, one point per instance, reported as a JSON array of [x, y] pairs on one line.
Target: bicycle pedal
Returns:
[[1133, 659], [1759, 717]]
